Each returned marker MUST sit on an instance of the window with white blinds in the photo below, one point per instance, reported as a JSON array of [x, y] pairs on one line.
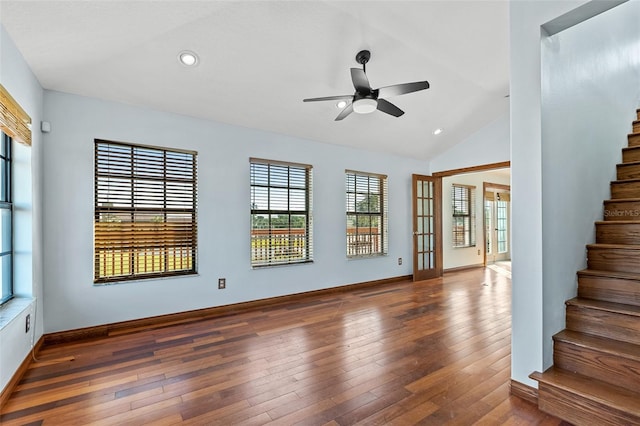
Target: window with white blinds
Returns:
[[145, 212], [463, 198], [281, 231], [366, 214]]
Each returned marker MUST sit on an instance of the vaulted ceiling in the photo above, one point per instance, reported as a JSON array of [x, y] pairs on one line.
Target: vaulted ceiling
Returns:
[[259, 59]]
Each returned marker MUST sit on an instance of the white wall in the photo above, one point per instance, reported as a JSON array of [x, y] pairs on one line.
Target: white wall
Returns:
[[540, 148], [590, 93], [15, 344], [486, 146], [71, 299], [465, 256], [525, 20]]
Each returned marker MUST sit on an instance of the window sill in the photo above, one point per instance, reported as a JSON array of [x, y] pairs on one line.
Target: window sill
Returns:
[[275, 265], [143, 279], [11, 309], [367, 256]]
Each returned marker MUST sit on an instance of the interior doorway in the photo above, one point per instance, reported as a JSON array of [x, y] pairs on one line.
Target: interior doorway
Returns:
[[497, 224], [463, 213]]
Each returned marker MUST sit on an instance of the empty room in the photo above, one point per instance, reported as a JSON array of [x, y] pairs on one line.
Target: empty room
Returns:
[[319, 212]]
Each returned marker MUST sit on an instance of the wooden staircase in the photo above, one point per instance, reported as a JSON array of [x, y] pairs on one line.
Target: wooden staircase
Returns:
[[595, 379]]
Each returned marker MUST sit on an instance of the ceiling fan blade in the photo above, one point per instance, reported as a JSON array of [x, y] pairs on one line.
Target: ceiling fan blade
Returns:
[[329, 98], [389, 108], [346, 111], [401, 89], [360, 81]]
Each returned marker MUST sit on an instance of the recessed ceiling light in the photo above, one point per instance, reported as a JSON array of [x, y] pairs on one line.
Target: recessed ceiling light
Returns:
[[341, 104], [188, 58], [437, 131]]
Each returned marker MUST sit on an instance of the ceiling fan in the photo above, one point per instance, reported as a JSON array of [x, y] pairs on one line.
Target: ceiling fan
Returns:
[[366, 100]]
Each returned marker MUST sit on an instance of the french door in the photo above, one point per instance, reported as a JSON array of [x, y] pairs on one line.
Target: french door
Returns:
[[427, 227], [497, 220]]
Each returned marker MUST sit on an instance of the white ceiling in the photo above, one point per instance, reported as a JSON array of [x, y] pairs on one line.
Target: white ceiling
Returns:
[[259, 59]]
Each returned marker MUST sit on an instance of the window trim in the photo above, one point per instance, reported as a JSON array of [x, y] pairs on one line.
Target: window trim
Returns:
[[383, 214], [190, 231], [7, 204], [469, 232], [308, 213]]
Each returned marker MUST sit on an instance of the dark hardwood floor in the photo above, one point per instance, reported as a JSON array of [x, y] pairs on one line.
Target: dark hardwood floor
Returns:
[[433, 352]]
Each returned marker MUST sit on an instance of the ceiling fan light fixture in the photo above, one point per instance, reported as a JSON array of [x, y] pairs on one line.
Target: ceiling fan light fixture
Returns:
[[365, 105], [437, 131], [188, 58]]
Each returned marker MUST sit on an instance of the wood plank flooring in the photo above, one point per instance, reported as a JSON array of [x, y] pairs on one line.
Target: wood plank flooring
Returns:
[[433, 352]]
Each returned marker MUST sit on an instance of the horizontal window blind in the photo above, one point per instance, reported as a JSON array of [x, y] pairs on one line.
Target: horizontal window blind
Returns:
[[13, 120], [145, 212], [463, 201], [281, 231], [366, 208]]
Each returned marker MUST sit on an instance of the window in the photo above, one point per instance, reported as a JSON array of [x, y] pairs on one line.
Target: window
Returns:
[[366, 214], [280, 213], [6, 220], [464, 216], [501, 218], [145, 212], [14, 127]]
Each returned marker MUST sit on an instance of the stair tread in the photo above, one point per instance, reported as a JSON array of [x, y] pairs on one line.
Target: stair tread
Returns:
[[630, 163], [601, 344], [630, 148], [635, 180], [614, 246], [604, 306], [617, 222], [618, 200], [610, 274], [593, 389]]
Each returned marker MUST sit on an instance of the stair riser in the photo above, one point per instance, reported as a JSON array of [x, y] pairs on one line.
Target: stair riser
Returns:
[[625, 190], [618, 233], [579, 410], [630, 155], [628, 171], [636, 126], [608, 289], [622, 210], [595, 364], [634, 139], [614, 259], [611, 325]]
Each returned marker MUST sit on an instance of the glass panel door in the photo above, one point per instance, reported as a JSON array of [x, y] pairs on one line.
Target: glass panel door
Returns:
[[427, 213]]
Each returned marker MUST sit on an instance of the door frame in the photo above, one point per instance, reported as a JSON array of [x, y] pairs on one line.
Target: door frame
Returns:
[[485, 186], [474, 169]]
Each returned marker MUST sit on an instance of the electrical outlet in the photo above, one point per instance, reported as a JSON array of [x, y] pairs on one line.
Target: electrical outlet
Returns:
[[27, 325], [222, 283], [399, 261], [478, 252]]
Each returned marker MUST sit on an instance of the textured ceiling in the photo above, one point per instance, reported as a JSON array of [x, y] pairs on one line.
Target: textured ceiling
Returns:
[[259, 59]]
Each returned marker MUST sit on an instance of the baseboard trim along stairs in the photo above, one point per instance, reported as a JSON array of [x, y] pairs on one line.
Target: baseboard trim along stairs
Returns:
[[595, 378]]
